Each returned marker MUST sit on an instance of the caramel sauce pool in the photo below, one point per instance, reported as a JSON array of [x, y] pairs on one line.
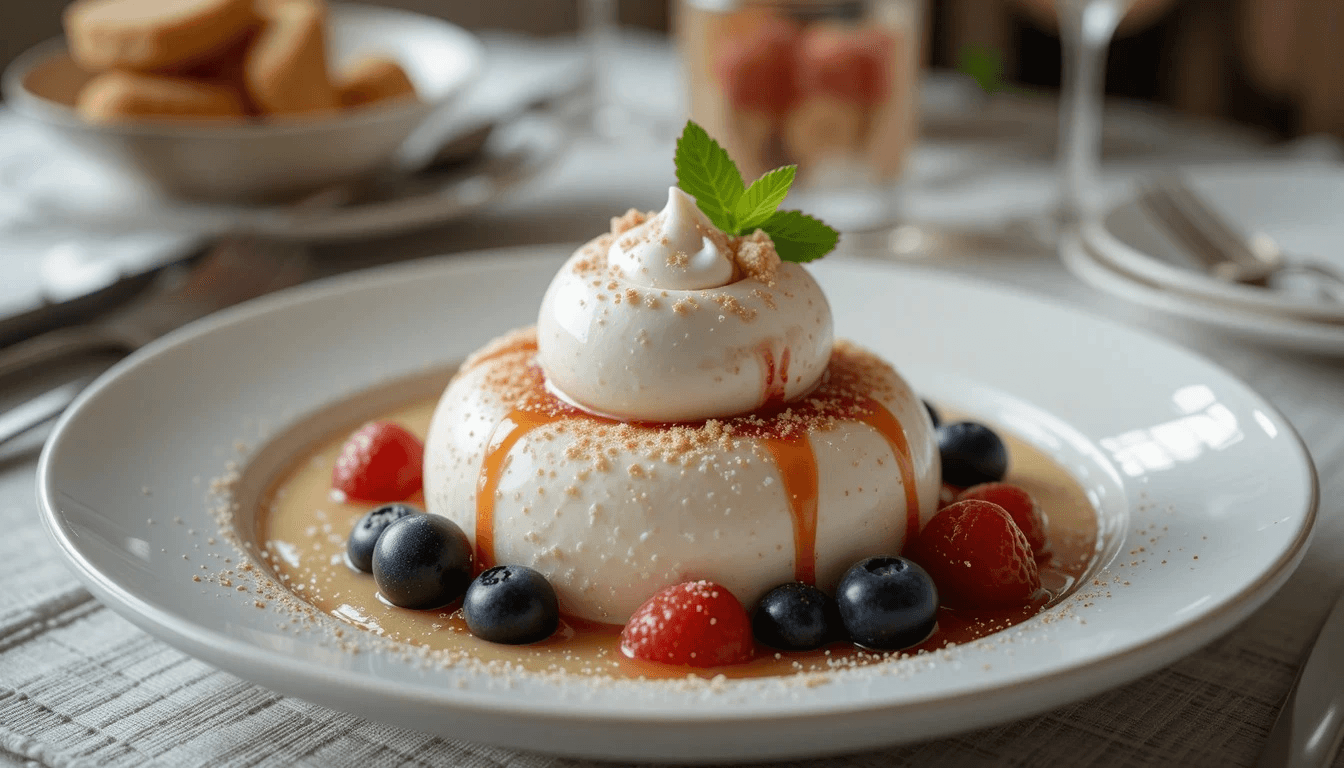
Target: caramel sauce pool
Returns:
[[302, 531]]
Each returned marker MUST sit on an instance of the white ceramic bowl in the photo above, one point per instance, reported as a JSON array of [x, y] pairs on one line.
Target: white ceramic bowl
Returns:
[[1205, 498], [256, 161]]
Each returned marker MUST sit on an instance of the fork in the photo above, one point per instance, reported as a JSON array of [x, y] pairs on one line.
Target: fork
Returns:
[[1225, 252], [233, 271]]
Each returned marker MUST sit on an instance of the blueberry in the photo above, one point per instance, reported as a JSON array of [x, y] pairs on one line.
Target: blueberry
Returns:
[[887, 603], [511, 604], [795, 617], [933, 413], [972, 454], [359, 547], [422, 561]]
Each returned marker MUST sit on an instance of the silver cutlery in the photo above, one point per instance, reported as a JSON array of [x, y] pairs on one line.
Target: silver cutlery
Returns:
[[1227, 253], [40, 409], [229, 273], [1310, 726], [70, 294], [462, 148]]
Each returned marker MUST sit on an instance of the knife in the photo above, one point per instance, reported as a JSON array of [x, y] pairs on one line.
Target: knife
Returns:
[[233, 271], [1311, 723], [80, 282]]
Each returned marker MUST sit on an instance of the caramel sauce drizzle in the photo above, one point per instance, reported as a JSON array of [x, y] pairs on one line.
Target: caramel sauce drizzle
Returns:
[[775, 379], [797, 464], [506, 434], [888, 426]]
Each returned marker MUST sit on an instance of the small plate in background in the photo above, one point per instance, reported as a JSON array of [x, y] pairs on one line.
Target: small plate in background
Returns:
[[1297, 205]]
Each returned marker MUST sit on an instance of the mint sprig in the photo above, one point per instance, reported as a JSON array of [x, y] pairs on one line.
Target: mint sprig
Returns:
[[799, 237], [707, 173], [759, 201]]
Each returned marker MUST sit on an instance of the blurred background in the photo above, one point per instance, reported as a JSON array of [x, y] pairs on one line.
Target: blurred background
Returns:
[[1184, 176], [1271, 64]]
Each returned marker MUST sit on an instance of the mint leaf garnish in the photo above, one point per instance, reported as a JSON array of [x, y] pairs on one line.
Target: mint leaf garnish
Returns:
[[764, 195], [984, 66], [707, 173], [798, 237]]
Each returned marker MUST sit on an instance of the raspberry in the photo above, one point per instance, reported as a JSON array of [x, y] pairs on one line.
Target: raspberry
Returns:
[[977, 556], [759, 71], [697, 624], [380, 462], [853, 66], [1019, 505]]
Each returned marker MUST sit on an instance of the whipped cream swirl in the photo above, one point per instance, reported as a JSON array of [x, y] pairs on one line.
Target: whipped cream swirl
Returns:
[[669, 319], [679, 249]]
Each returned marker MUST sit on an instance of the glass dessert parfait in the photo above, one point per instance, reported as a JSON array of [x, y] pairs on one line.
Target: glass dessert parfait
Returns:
[[828, 85], [679, 469]]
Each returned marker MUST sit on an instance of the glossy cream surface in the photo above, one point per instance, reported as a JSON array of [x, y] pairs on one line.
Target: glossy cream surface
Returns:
[[634, 326]]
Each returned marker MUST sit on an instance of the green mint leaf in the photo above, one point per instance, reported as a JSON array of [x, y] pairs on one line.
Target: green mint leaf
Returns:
[[761, 199], [707, 173], [983, 65], [798, 237]]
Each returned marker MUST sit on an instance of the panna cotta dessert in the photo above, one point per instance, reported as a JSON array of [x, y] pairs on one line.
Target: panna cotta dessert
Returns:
[[680, 411], [679, 466]]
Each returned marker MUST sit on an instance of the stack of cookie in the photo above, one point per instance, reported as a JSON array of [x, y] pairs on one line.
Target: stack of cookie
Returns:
[[217, 59]]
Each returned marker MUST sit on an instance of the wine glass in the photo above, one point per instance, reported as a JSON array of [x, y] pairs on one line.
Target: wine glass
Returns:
[[1085, 31], [610, 119], [598, 24]]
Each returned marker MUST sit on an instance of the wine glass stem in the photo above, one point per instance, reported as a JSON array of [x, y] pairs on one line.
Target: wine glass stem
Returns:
[[599, 27], [1086, 28]]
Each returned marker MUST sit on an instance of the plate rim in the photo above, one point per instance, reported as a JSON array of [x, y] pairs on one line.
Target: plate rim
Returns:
[[1128, 664]]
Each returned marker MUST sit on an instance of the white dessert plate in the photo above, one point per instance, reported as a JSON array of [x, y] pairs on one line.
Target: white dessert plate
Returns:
[[1205, 497]]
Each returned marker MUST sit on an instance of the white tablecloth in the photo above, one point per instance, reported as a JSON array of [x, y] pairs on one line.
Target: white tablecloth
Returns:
[[81, 686]]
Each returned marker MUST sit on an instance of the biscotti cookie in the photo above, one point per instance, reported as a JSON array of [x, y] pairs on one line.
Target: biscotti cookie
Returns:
[[117, 96], [374, 79], [153, 35], [285, 68]]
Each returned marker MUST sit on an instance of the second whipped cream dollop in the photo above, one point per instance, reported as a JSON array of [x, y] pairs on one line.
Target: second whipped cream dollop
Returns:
[[670, 319], [679, 249]]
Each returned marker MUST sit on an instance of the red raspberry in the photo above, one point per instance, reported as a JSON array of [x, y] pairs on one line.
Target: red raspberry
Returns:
[[759, 71], [850, 65], [697, 624], [381, 461], [1019, 505], [977, 557]]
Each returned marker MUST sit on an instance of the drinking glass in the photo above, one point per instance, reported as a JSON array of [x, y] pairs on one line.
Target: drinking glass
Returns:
[[599, 21], [1086, 28], [610, 119], [827, 85]]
